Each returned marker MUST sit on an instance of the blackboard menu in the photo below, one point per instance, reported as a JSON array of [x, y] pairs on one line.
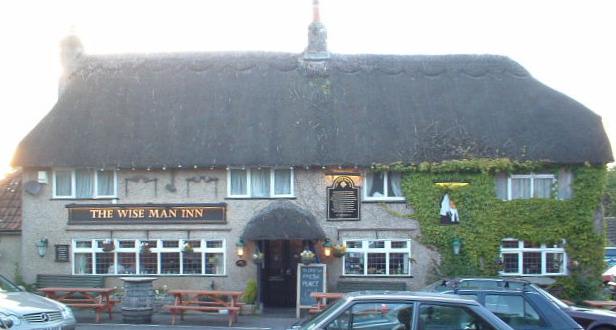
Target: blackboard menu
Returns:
[[343, 200], [310, 278]]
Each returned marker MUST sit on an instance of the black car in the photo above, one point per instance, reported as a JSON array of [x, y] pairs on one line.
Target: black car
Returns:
[[588, 318]]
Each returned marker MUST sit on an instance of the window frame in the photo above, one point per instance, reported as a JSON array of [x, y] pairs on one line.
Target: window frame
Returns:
[[387, 250], [272, 183], [532, 176], [385, 188], [543, 249], [202, 250], [73, 194]]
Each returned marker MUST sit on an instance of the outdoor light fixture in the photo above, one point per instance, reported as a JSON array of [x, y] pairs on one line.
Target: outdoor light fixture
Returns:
[[327, 247], [450, 183], [240, 248], [41, 246], [456, 244]]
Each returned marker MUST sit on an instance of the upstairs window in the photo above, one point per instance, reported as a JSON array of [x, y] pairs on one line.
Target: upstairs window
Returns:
[[383, 186], [84, 183], [260, 182]]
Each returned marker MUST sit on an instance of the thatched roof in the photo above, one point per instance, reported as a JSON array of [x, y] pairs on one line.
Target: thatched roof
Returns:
[[283, 220], [10, 203], [217, 109]]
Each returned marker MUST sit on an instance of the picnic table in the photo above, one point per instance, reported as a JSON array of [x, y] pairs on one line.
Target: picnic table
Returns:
[[95, 298], [321, 299], [212, 301], [609, 304]]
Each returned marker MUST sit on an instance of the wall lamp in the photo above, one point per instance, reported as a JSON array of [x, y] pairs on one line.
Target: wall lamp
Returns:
[[239, 248], [456, 244], [327, 247], [41, 246]]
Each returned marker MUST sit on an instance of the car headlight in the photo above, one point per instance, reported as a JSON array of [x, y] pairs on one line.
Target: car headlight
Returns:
[[67, 313], [11, 317]]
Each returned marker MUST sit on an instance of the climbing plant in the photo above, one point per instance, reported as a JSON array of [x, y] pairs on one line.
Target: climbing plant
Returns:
[[486, 220]]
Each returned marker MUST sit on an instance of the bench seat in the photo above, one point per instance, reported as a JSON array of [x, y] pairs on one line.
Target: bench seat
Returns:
[[69, 281], [174, 309]]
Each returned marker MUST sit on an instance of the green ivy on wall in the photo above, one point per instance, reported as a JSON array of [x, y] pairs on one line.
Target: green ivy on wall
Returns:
[[485, 220]]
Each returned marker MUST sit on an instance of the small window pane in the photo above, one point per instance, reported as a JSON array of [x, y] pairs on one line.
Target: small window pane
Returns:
[[148, 262], [520, 188], [398, 264], [194, 244], [63, 183], [555, 262], [127, 263], [192, 263], [394, 181], [531, 262], [105, 263], [83, 263], [170, 263], [376, 244], [529, 244], [282, 182], [84, 184], [510, 244], [376, 263], [398, 244], [214, 263], [238, 182], [105, 183], [214, 244], [354, 244], [260, 182], [375, 184], [542, 188], [83, 244], [354, 263], [126, 244], [510, 263], [171, 244]]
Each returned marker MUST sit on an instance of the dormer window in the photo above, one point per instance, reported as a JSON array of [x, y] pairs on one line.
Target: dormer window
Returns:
[[84, 183], [383, 186], [260, 182]]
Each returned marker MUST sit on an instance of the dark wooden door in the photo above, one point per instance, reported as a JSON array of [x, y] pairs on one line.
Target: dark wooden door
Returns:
[[280, 272]]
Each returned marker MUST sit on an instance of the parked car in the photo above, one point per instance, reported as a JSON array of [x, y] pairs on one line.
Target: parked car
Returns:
[[23, 310], [588, 318], [404, 310]]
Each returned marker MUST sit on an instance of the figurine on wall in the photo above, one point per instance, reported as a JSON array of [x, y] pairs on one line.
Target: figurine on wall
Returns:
[[449, 213]]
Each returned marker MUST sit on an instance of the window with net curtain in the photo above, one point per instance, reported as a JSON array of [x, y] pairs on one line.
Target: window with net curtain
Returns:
[[383, 185], [531, 186], [260, 182], [86, 183]]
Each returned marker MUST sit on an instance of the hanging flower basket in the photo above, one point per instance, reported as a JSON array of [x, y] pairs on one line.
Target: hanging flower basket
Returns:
[[145, 248], [187, 248], [258, 257], [339, 250], [108, 246], [307, 257]]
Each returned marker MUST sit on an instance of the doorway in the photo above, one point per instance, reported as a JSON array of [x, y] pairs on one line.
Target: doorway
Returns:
[[279, 278]]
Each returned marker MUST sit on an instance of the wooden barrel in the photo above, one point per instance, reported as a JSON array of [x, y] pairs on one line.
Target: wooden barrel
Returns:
[[138, 301]]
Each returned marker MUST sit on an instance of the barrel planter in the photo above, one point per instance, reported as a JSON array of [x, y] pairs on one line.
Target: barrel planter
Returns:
[[138, 302]]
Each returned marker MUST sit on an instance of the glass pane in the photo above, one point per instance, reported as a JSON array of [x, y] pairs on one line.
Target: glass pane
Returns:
[[376, 244], [170, 263], [376, 263], [83, 244], [531, 262], [195, 244], [127, 263], [354, 263], [260, 182], [238, 182], [214, 244], [533, 245], [104, 183], [214, 263], [126, 244], [63, 183], [353, 244], [507, 244], [514, 310], [83, 263], [398, 244], [398, 264], [282, 182], [192, 263], [542, 188], [520, 188], [450, 317], [378, 315], [375, 184], [510, 263], [105, 263], [148, 262], [84, 184], [171, 244], [554, 262], [394, 188]]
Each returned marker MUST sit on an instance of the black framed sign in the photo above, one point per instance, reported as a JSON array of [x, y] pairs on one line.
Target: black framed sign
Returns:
[[343, 200], [146, 213]]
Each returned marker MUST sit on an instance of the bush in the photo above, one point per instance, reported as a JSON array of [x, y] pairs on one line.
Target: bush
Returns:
[[250, 292]]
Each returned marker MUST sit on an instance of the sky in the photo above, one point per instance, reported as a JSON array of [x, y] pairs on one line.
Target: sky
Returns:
[[567, 45]]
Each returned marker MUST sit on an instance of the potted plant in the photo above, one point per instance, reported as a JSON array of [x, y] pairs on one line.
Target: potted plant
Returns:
[[339, 250], [307, 257], [187, 248], [145, 248], [108, 245], [249, 297]]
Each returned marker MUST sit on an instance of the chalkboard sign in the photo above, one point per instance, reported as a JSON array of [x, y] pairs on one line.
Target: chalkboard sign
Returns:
[[310, 278]]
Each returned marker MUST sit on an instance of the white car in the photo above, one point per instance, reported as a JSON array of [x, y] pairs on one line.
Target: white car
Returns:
[[23, 310]]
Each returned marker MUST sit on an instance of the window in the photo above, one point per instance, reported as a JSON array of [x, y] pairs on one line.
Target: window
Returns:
[[260, 182], [528, 258], [374, 315], [153, 257], [84, 183], [450, 317], [530, 186], [377, 258], [514, 310], [383, 186]]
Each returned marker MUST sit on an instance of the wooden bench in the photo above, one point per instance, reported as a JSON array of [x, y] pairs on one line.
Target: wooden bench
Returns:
[[69, 281], [322, 300], [97, 299], [175, 309], [350, 286]]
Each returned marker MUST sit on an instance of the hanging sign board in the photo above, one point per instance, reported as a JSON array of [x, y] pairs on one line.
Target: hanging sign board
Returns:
[[310, 278], [343, 200]]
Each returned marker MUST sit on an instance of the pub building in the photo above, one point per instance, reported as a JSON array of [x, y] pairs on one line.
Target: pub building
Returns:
[[206, 170]]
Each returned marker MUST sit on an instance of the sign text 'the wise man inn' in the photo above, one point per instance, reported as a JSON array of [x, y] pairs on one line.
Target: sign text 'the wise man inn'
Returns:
[[128, 213]]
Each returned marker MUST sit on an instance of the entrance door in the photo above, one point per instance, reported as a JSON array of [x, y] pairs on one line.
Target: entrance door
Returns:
[[280, 272]]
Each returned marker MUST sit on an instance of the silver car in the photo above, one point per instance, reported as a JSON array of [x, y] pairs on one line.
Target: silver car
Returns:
[[23, 310], [384, 310]]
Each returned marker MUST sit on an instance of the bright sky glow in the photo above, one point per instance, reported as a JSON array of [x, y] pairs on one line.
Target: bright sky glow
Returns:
[[568, 45]]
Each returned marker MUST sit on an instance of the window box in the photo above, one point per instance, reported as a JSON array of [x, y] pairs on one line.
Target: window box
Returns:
[[84, 184], [383, 186], [377, 258], [260, 183], [522, 258]]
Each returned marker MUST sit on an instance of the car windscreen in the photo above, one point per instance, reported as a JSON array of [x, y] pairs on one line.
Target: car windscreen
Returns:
[[7, 286]]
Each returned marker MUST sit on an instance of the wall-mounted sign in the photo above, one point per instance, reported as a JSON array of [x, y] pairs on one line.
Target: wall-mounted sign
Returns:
[[146, 213], [343, 200]]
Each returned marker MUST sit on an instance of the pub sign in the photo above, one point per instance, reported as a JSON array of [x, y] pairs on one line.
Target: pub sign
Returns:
[[343, 200], [147, 213]]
